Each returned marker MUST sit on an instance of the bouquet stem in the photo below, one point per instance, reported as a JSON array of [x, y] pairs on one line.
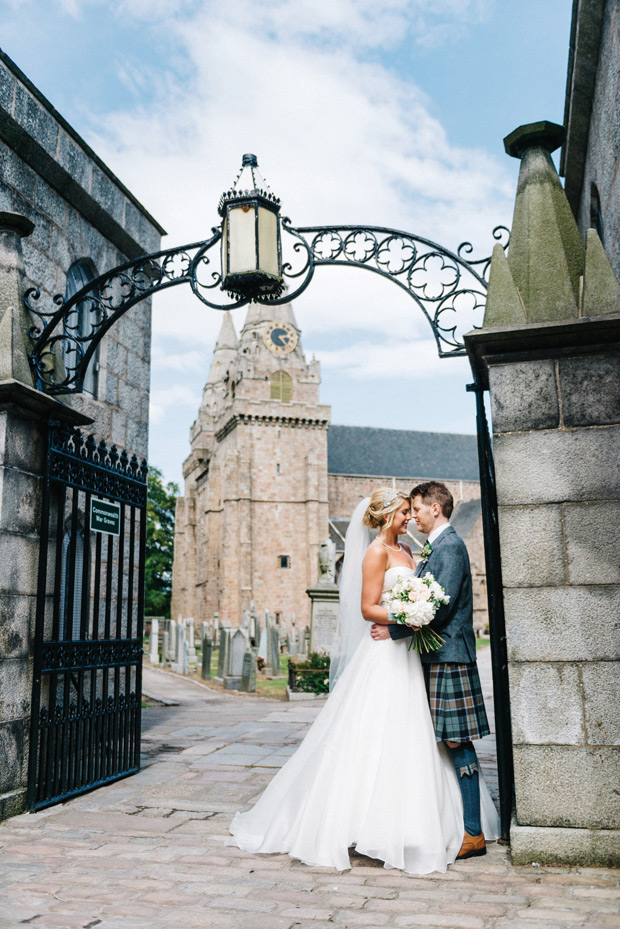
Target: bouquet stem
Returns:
[[426, 640]]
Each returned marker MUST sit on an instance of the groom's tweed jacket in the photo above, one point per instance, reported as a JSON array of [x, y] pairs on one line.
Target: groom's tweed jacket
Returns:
[[448, 562]]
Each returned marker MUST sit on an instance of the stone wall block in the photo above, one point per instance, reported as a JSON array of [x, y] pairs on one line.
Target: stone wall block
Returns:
[[92, 245], [601, 690], [137, 438], [74, 161], [552, 467], [132, 336], [17, 174], [15, 689], [524, 396], [21, 446], [20, 501], [19, 559], [583, 848], [567, 786], [6, 197], [129, 399], [132, 220], [590, 389], [118, 429], [50, 203], [17, 619], [138, 370], [40, 269], [14, 751], [7, 89], [116, 358], [593, 542], [107, 194], [545, 704], [109, 392], [531, 557], [61, 250], [563, 623], [37, 121], [42, 233]]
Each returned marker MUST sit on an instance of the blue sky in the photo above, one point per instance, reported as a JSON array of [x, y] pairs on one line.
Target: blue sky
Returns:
[[385, 112]]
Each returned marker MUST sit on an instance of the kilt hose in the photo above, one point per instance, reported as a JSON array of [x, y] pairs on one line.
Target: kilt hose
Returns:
[[456, 702]]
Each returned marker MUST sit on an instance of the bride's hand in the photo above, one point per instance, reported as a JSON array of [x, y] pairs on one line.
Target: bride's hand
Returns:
[[415, 628]]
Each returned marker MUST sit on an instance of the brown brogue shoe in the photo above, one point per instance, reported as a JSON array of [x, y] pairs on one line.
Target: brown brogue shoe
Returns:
[[472, 847]]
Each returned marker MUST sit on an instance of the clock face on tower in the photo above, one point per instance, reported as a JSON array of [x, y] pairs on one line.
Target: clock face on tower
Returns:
[[280, 338]]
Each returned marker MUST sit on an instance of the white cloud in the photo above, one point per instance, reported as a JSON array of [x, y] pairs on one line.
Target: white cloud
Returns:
[[397, 358], [171, 398]]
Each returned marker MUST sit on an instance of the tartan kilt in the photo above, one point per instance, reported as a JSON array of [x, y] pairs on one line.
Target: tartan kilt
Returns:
[[456, 702]]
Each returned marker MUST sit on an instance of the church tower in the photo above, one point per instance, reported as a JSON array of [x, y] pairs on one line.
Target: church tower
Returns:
[[256, 506]]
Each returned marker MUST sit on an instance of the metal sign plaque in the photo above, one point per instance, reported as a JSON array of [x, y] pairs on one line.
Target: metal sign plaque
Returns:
[[105, 516]]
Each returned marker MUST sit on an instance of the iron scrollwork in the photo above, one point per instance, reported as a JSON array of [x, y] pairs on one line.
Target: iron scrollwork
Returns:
[[448, 287]]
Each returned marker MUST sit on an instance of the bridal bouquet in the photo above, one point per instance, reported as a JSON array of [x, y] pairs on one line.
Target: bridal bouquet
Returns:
[[413, 601]]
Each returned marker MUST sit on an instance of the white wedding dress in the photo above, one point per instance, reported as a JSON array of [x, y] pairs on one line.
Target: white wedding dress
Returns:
[[368, 774]]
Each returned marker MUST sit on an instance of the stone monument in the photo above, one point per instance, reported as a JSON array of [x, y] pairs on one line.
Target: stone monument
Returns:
[[324, 596]]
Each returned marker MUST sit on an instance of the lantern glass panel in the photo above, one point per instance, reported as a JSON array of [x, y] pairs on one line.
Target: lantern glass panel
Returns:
[[268, 242], [241, 239]]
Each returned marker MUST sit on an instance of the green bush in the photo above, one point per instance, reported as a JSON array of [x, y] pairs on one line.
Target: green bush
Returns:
[[312, 675]]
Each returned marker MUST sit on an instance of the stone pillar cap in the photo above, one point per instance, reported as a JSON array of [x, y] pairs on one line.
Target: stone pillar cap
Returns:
[[15, 222], [534, 135]]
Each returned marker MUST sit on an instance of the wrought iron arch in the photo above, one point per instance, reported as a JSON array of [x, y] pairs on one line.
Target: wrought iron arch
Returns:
[[446, 286]]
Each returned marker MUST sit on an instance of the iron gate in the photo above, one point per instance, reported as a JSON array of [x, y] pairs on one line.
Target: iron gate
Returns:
[[497, 621], [88, 641]]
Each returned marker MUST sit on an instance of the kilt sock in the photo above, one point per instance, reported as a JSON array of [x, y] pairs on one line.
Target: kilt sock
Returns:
[[466, 764]]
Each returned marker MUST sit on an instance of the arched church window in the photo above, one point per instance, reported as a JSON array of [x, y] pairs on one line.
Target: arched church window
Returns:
[[281, 386], [82, 320], [596, 216]]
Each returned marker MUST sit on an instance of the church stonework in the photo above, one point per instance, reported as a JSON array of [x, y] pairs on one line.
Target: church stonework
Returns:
[[255, 508], [268, 480]]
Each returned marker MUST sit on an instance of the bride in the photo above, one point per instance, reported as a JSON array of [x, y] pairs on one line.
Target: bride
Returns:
[[369, 773]]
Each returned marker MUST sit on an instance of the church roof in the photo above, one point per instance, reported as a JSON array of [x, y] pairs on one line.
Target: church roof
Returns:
[[366, 450]]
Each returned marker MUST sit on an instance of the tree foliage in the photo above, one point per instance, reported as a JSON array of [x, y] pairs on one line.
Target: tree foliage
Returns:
[[159, 544]]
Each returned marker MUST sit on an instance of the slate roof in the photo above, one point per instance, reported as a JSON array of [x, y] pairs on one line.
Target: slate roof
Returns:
[[365, 450]]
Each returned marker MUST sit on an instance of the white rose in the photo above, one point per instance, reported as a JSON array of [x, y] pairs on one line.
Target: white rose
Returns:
[[424, 612]]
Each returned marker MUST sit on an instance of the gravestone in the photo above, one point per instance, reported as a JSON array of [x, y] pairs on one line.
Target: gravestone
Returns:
[[248, 673], [190, 633], [207, 651], [180, 649], [164, 648], [154, 643], [262, 645], [172, 642], [224, 654], [273, 649], [238, 647], [185, 667]]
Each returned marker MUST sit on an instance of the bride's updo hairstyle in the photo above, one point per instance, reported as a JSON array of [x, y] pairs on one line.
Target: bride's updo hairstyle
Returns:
[[384, 503]]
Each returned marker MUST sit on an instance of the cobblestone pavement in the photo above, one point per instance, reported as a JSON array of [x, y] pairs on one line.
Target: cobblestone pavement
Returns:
[[148, 852]]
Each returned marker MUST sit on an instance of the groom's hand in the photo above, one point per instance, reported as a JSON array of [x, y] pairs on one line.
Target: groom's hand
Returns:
[[378, 632]]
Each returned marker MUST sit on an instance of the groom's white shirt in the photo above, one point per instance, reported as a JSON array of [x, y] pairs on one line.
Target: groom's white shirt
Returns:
[[437, 532]]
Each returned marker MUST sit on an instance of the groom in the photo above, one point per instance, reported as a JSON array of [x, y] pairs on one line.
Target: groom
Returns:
[[451, 673]]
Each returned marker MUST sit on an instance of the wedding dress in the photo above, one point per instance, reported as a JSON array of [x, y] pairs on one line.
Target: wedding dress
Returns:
[[368, 774]]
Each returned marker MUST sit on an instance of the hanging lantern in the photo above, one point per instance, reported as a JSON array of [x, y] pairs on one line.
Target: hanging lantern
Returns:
[[251, 246]]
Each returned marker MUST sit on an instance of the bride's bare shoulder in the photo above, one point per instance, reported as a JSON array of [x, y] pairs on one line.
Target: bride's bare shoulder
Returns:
[[376, 555]]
